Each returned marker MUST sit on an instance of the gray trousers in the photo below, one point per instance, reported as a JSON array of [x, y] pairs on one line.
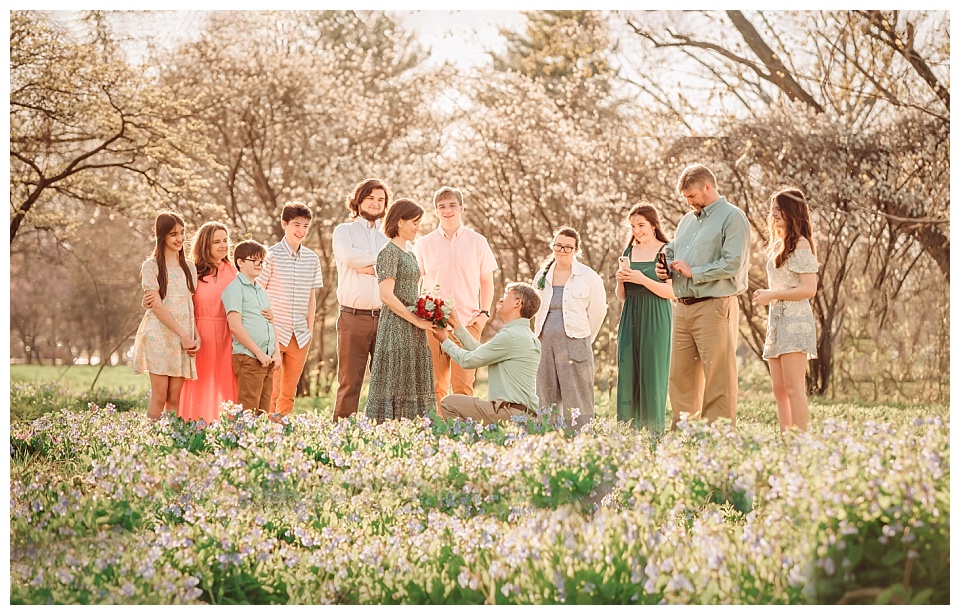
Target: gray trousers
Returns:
[[565, 376]]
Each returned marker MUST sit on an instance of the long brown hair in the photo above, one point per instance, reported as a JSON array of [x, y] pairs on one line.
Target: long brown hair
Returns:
[[792, 204], [200, 250], [548, 262], [649, 212], [164, 224], [363, 190]]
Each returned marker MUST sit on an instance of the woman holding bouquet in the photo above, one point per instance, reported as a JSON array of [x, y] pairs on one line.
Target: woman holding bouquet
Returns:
[[573, 303], [401, 374]]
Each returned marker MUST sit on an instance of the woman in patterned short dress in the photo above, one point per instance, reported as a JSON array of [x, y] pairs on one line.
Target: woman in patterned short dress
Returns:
[[791, 328], [401, 372], [167, 340]]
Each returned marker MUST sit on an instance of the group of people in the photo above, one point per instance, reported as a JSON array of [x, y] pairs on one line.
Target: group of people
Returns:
[[217, 330], [677, 334]]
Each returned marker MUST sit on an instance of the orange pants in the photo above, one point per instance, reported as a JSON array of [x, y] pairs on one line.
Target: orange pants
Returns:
[[292, 360]]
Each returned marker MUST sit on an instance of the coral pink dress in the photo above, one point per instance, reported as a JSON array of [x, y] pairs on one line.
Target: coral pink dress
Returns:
[[215, 383]]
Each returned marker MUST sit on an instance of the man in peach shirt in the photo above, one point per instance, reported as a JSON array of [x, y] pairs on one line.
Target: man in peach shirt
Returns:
[[458, 260]]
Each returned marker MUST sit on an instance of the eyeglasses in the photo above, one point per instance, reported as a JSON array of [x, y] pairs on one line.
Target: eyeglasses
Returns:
[[256, 263], [565, 249]]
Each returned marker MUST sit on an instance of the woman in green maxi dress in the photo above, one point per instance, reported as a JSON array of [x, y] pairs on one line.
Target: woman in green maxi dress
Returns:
[[646, 322]]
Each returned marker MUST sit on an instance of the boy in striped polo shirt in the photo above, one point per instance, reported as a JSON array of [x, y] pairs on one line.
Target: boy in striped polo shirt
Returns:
[[290, 275]]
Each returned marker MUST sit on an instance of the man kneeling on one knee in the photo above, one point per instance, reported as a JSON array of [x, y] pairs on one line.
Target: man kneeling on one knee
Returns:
[[512, 358]]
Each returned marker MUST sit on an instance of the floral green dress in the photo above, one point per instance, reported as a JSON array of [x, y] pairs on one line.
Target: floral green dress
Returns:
[[401, 374], [156, 348]]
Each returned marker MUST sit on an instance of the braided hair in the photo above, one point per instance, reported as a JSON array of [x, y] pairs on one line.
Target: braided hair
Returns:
[[541, 277]]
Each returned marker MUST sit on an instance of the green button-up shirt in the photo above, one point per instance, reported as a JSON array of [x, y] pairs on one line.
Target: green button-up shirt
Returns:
[[512, 357], [249, 298], [716, 244]]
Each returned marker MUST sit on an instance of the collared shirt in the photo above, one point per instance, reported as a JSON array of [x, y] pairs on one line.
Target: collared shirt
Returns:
[[455, 263], [356, 244], [716, 244], [512, 357], [250, 299], [289, 278], [584, 302]]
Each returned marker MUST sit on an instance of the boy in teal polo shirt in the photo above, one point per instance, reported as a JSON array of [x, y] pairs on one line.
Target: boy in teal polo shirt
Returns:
[[253, 335]]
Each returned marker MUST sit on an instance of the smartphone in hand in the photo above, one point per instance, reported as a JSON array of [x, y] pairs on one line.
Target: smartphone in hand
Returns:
[[624, 262], [662, 259]]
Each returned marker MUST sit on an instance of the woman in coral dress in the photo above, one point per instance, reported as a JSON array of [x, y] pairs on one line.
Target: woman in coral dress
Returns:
[[215, 383]]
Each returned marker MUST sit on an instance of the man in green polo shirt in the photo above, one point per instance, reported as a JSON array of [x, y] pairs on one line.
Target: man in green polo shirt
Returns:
[[512, 358], [256, 351], [708, 260]]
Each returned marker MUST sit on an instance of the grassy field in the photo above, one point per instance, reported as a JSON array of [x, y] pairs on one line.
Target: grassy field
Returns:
[[38, 389], [79, 378], [71, 386]]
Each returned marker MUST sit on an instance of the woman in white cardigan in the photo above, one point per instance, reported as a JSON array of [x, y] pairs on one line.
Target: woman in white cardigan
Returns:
[[573, 303]]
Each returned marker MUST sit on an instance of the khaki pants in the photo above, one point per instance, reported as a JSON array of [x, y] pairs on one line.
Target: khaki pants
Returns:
[[254, 383], [703, 361], [356, 339], [292, 360], [445, 369], [468, 407]]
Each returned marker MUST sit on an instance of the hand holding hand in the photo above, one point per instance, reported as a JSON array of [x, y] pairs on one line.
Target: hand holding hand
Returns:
[[420, 323], [189, 344], [763, 296], [276, 360], [681, 267], [264, 358], [439, 334]]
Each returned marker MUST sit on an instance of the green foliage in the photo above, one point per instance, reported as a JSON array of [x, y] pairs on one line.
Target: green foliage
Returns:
[[107, 507], [29, 401]]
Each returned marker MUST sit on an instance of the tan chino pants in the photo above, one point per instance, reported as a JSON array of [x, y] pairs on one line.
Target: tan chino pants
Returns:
[[469, 407], [703, 362]]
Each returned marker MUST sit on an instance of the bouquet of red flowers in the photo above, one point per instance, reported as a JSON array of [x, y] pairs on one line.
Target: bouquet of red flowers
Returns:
[[432, 309]]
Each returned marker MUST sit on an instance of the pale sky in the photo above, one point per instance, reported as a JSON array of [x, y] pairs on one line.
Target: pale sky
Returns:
[[460, 36]]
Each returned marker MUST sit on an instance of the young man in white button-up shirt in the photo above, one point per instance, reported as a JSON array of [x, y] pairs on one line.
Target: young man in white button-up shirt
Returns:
[[355, 248]]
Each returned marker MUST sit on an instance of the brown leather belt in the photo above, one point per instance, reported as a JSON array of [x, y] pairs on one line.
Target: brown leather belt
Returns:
[[692, 300], [520, 407], [356, 312]]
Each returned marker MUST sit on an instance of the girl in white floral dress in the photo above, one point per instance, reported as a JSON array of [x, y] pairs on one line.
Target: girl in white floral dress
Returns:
[[791, 328], [167, 340]]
